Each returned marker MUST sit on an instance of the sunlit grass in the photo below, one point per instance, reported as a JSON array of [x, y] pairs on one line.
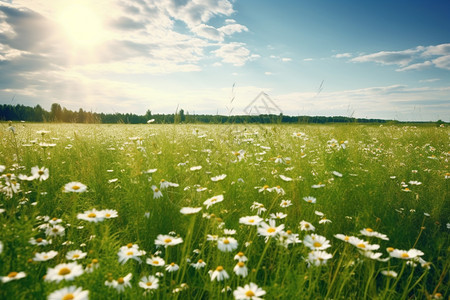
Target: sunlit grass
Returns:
[[353, 180]]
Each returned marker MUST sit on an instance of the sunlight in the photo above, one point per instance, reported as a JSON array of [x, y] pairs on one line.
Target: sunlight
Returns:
[[82, 26]]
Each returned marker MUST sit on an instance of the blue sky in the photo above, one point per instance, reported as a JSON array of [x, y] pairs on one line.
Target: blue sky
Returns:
[[377, 59]]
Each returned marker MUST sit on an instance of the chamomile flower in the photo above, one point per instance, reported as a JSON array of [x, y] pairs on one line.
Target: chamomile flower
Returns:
[[39, 173], [163, 184], [190, 210], [370, 232], [156, 261], [44, 256], [241, 269], [362, 245], [227, 244], [389, 273], [219, 274], [316, 242], [172, 267], [310, 199], [306, 226], [213, 200], [269, 230], [406, 254], [249, 291], [199, 264], [149, 282], [56, 230], [75, 187], [318, 258], [278, 215], [92, 215], [250, 220], [109, 213], [13, 276], [70, 292], [240, 256], [38, 241], [130, 251], [167, 240], [259, 207], [75, 255], [122, 282], [64, 272], [285, 203], [218, 177], [156, 192]]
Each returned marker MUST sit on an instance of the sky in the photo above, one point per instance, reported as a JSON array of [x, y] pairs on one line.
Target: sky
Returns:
[[365, 59]]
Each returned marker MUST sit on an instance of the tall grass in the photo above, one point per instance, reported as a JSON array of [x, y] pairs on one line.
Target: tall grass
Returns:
[[394, 181]]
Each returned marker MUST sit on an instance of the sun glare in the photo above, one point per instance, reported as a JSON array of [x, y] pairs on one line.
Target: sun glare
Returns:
[[81, 25]]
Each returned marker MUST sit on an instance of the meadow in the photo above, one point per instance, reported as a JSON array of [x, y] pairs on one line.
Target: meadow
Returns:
[[184, 211]]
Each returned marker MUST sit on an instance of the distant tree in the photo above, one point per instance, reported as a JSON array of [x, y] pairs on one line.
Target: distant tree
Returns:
[[56, 112]]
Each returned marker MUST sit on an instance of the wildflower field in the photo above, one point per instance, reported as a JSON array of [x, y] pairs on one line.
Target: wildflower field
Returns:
[[224, 211]]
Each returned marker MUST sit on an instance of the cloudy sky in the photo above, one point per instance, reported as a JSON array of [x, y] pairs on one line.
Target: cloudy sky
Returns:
[[371, 59]]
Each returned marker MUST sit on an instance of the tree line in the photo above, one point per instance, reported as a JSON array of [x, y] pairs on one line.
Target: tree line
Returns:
[[57, 113]]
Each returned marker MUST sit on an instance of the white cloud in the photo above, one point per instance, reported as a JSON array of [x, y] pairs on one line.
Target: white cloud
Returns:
[[442, 62], [286, 59], [343, 55], [442, 49], [208, 32], [417, 66], [401, 58], [268, 73], [232, 28], [234, 53]]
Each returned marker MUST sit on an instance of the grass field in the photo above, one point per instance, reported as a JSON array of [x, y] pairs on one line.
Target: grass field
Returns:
[[221, 211]]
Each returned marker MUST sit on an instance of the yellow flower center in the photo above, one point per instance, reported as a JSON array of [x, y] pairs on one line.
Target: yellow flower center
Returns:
[[265, 187], [241, 264], [219, 269], [346, 238], [405, 255], [306, 225], [120, 280], [162, 180], [107, 215], [271, 230], [309, 201], [361, 245], [54, 219], [41, 172], [213, 199], [95, 261], [91, 215], [64, 271], [240, 254], [172, 264], [130, 253], [149, 284], [39, 240], [55, 229], [12, 274], [200, 261], [390, 249], [129, 245], [289, 232], [251, 221], [76, 256], [369, 229], [249, 294], [226, 241], [168, 240], [317, 244], [156, 190], [75, 187], [155, 262], [68, 297]]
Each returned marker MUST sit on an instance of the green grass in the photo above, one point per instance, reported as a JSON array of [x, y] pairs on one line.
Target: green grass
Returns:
[[374, 164]]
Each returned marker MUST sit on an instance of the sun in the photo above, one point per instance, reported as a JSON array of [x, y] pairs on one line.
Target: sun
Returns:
[[81, 25]]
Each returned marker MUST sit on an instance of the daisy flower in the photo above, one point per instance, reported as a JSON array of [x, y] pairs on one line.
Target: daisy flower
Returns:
[[405, 254], [219, 274], [337, 174], [227, 244], [199, 264], [342, 237], [196, 168], [218, 177], [316, 242], [269, 230], [156, 261], [190, 210], [241, 269], [258, 206], [92, 215], [324, 221], [278, 215], [156, 192], [44, 256], [38, 241], [285, 203], [167, 240], [265, 188], [39, 173], [310, 199], [318, 258], [56, 230], [370, 232], [122, 282], [389, 273], [172, 267], [149, 282], [240, 257], [363, 245], [64, 272], [213, 200], [109, 213], [250, 220], [70, 292], [75, 187], [249, 291], [279, 190], [75, 255], [306, 226], [12, 276], [163, 184], [285, 178]]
